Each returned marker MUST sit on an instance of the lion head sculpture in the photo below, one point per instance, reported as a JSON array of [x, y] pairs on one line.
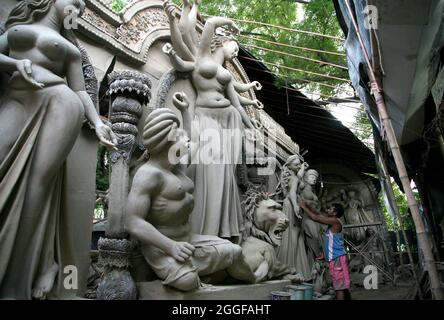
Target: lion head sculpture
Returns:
[[265, 224], [264, 219]]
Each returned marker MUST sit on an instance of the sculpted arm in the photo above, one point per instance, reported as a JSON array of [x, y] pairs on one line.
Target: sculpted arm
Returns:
[[76, 81], [292, 195], [180, 101], [208, 33], [187, 25], [233, 97], [248, 102], [8, 64], [176, 37], [243, 87], [178, 63], [137, 209]]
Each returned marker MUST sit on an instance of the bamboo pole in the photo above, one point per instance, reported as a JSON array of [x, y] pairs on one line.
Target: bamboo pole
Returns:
[[400, 223], [360, 225], [430, 266]]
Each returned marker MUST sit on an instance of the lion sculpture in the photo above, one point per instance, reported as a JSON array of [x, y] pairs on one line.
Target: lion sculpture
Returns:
[[264, 225]]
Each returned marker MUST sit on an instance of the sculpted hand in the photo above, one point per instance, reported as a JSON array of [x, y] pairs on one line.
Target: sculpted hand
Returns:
[[181, 251], [106, 135], [233, 28], [168, 49], [258, 104], [180, 101], [256, 85], [169, 9], [24, 67]]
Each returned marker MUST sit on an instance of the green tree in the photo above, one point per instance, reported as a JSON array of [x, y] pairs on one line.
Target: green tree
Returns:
[[362, 129], [118, 5], [403, 208], [103, 169]]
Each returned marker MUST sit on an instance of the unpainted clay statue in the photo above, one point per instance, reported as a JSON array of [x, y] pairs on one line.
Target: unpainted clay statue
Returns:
[[41, 114], [354, 214], [218, 108], [311, 228], [159, 206], [292, 252], [265, 226]]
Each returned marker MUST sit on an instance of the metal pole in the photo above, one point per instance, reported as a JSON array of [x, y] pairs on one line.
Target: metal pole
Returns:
[[430, 266]]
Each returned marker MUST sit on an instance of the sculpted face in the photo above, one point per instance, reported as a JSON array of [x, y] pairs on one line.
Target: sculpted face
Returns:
[[294, 164], [312, 179], [183, 141], [63, 7], [179, 145], [231, 49], [270, 219]]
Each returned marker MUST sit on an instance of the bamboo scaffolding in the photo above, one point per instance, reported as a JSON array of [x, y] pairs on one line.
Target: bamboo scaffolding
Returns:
[[435, 285]]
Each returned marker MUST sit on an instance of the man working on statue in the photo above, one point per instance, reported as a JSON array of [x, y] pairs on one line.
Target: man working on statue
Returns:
[[334, 250]]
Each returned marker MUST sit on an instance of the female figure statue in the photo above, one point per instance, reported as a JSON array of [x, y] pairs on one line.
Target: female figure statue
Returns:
[[292, 251], [312, 229], [219, 119], [40, 118], [354, 214]]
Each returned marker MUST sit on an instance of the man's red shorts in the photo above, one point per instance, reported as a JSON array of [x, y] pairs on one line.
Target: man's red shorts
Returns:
[[339, 273]]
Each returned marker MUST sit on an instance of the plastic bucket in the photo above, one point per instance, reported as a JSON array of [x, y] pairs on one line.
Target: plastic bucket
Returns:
[[280, 295], [297, 292], [308, 291]]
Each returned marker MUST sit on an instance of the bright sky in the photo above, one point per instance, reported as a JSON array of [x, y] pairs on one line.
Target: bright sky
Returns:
[[300, 12], [345, 112]]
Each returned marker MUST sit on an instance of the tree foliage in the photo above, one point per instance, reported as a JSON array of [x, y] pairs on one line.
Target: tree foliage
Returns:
[[118, 5], [363, 129], [403, 208], [103, 169]]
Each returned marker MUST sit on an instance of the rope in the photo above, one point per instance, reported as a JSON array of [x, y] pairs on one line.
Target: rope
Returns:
[[293, 46], [289, 29]]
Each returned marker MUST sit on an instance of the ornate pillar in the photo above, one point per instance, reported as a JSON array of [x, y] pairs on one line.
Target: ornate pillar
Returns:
[[129, 91]]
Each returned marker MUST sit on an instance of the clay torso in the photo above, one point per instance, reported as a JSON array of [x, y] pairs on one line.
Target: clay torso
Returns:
[[172, 205], [309, 196], [47, 49], [210, 80]]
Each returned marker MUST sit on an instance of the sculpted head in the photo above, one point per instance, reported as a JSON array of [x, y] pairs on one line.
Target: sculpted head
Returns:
[[265, 217], [30, 11], [270, 219], [229, 46], [160, 131], [293, 162], [352, 194], [311, 177]]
